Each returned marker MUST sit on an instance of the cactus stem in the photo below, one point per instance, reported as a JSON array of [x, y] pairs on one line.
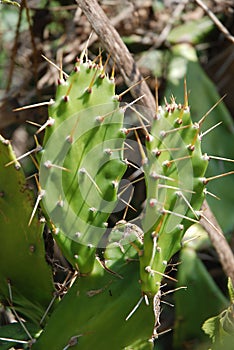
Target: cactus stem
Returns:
[[134, 309], [206, 180], [181, 195], [144, 159], [55, 65], [47, 103], [84, 171], [165, 211], [200, 122], [49, 122], [209, 130], [131, 87]]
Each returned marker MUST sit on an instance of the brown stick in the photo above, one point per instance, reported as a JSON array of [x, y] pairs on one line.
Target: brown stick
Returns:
[[216, 21], [218, 240], [113, 43]]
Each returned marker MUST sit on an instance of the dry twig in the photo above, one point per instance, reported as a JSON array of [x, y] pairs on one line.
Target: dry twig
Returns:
[[216, 21]]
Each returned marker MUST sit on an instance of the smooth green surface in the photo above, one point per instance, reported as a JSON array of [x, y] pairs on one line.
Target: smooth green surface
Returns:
[[23, 270]]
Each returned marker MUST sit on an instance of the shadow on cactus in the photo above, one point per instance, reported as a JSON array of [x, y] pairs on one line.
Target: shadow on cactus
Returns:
[[113, 299]]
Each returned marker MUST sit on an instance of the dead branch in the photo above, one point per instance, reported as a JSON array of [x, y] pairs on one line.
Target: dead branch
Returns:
[[218, 240], [216, 21]]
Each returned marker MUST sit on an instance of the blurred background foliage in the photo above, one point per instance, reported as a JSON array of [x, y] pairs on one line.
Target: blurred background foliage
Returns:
[[169, 40]]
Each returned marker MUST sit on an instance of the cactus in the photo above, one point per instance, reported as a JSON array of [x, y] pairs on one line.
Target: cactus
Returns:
[[83, 143], [174, 173], [23, 269], [115, 299], [174, 170]]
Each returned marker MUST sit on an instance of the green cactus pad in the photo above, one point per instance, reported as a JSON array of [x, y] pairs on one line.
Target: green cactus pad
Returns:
[[25, 278], [174, 168], [82, 164]]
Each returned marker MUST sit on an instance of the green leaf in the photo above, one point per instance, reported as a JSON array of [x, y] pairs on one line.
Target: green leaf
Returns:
[[201, 299]]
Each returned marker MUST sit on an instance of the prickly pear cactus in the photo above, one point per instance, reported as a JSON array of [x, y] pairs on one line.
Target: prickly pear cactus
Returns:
[[80, 170], [82, 162], [114, 301], [174, 169], [25, 277]]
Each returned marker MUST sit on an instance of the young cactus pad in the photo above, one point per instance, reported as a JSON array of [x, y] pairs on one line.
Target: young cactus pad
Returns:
[[174, 168], [81, 163], [25, 277]]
